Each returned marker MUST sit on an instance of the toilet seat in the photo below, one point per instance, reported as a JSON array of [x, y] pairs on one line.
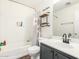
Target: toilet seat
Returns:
[[34, 50]]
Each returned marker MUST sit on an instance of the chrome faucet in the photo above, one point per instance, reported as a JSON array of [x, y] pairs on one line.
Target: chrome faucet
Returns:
[[66, 38], [69, 35]]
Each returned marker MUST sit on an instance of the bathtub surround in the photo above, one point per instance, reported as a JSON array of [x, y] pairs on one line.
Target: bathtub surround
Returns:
[[14, 53], [10, 14]]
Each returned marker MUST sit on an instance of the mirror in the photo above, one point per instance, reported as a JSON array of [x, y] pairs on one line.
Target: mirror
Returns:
[[66, 18]]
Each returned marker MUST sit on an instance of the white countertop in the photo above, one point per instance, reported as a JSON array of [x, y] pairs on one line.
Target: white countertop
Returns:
[[71, 49]]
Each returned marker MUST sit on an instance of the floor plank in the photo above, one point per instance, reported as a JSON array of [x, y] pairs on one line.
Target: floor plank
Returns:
[[26, 57]]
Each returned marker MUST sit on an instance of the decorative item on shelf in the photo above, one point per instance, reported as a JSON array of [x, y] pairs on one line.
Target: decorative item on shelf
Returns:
[[19, 23], [44, 20], [2, 44]]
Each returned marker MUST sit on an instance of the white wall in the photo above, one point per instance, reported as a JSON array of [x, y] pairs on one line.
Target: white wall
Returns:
[[65, 15], [10, 14], [76, 23], [47, 31]]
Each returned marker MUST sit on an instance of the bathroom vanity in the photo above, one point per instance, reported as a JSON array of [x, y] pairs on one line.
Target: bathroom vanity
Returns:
[[54, 50], [51, 53]]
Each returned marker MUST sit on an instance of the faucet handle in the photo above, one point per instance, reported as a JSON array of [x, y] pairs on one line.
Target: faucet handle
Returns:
[[69, 40], [69, 35]]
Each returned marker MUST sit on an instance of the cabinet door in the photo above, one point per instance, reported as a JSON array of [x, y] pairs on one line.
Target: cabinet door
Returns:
[[59, 56], [46, 52]]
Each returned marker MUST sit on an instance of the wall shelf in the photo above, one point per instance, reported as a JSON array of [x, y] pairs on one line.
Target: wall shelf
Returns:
[[44, 15], [44, 20], [44, 24]]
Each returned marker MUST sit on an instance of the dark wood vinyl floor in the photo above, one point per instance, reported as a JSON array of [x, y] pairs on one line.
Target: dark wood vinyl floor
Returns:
[[26, 57]]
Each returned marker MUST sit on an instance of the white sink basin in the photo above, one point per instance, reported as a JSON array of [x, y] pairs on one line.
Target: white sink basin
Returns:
[[75, 45], [65, 45]]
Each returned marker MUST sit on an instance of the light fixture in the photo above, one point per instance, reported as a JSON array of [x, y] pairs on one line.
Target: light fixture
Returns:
[[68, 3], [55, 1]]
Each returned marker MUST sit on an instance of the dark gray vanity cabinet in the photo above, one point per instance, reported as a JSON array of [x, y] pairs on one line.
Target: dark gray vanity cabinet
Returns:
[[59, 56], [47, 52]]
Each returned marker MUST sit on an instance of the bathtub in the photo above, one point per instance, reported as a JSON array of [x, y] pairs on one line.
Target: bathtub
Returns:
[[14, 53]]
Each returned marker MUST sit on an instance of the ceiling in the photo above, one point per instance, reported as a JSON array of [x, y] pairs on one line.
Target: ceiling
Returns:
[[31, 3], [37, 3], [64, 3]]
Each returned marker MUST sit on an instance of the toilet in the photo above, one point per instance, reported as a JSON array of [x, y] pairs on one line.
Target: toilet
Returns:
[[34, 52]]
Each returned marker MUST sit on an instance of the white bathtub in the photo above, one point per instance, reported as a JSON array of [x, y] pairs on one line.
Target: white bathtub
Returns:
[[14, 53]]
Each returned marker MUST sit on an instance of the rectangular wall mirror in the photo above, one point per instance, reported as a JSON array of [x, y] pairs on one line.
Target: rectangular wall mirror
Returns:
[[66, 18]]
